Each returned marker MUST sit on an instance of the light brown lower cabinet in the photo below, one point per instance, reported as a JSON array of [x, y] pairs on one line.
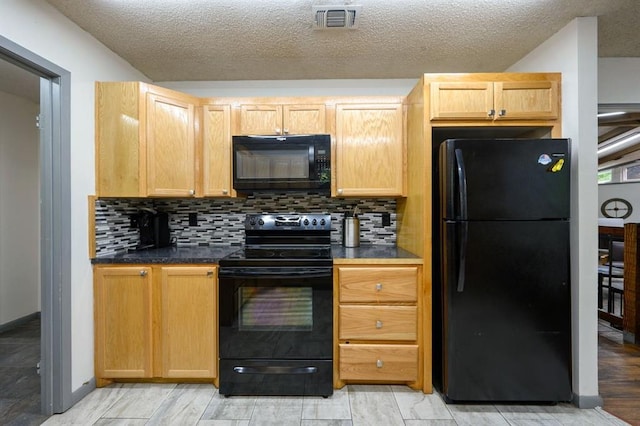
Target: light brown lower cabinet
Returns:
[[377, 324], [123, 330], [155, 322], [383, 362]]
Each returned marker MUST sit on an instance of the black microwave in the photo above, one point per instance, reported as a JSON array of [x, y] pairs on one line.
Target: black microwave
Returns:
[[288, 162]]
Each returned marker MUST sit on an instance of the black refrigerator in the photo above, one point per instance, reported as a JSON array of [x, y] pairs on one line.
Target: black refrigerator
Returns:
[[503, 326]]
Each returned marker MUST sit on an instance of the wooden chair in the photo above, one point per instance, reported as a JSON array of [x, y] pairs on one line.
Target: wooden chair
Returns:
[[612, 268]]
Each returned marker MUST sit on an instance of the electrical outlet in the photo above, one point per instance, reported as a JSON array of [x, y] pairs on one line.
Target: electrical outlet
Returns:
[[386, 219], [193, 219]]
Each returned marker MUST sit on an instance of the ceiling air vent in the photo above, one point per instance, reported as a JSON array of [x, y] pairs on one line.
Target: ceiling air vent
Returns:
[[343, 16]]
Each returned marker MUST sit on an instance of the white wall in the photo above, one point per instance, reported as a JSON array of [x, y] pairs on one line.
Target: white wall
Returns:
[[619, 80], [19, 208], [573, 52], [258, 88], [627, 191], [38, 27]]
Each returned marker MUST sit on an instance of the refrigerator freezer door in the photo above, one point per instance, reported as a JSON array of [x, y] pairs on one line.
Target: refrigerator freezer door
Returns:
[[505, 179], [507, 328]]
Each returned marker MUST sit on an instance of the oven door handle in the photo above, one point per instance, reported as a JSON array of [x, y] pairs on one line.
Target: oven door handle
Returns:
[[275, 370], [275, 273]]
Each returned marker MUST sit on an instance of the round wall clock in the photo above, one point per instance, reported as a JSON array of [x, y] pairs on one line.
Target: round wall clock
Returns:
[[616, 208]]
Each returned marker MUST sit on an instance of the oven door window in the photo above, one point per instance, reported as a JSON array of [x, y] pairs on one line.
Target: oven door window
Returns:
[[284, 317], [275, 308]]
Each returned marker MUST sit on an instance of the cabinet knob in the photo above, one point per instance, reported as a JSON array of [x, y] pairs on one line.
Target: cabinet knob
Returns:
[[340, 191], [143, 273], [278, 132], [192, 192], [502, 112], [285, 131], [209, 273], [225, 192], [378, 324], [379, 363], [379, 287], [491, 112]]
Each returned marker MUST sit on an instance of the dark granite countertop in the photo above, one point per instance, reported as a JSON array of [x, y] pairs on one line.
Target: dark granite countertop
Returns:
[[343, 254], [212, 254], [169, 255]]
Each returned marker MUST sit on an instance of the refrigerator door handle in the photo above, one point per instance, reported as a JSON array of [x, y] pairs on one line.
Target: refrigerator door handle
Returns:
[[462, 184], [462, 255]]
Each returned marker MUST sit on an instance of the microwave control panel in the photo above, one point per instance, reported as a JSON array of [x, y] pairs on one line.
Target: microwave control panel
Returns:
[[322, 160]]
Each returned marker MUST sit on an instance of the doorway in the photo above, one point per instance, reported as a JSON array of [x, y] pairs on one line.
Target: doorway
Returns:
[[55, 225]]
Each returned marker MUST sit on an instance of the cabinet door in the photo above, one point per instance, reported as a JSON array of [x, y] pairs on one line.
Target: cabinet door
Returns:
[[123, 322], [117, 141], [171, 146], [526, 100], [370, 151], [304, 119], [462, 101], [216, 154], [260, 119], [189, 348]]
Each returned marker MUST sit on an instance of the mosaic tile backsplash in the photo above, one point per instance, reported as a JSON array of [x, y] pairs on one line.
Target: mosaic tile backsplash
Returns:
[[221, 221]]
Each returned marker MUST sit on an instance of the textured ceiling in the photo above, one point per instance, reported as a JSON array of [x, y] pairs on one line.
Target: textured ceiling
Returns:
[[182, 40]]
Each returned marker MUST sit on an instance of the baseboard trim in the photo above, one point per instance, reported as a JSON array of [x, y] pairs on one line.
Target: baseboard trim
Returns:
[[18, 322], [587, 401], [83, 391]]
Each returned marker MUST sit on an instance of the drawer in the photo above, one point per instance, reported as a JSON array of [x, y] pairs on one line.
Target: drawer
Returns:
[[392, 284], [397, 363], [378, 322]]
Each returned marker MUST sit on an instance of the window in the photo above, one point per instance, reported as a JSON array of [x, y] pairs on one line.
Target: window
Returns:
[[632, 172], [605, 176]]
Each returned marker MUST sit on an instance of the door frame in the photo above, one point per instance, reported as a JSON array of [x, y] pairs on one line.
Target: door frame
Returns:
[[55, 225]]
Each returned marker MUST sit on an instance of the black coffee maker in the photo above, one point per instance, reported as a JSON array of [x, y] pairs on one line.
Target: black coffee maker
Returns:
[[154, 229]]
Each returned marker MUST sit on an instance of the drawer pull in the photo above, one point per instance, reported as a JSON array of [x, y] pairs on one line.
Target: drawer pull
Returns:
[[210, 273], [379, 287], [379, 363], [378, 324], [143, 273]]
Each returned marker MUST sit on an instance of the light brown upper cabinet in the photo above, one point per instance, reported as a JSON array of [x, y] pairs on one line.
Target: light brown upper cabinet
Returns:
[[369, 151], [489, 101], [282, 119], [171, 145], [146, 143], [216, 151]]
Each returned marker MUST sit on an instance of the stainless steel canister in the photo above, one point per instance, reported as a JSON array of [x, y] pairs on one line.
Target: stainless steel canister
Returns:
[[351, 231]]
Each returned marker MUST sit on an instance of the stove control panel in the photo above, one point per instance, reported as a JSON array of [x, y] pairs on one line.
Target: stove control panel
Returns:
[[299, 222]]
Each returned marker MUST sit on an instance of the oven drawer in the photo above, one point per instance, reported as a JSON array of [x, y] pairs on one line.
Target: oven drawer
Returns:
[[378, 322], [395, 363], [378, 284]]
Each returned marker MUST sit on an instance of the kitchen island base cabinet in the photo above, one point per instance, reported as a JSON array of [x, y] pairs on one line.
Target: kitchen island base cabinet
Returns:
[[155, 323]]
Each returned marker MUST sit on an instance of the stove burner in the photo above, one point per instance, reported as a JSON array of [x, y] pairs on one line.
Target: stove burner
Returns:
[[268, 243]]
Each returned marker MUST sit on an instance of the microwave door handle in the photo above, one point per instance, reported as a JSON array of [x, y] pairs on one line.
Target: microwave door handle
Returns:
[[312, 160]]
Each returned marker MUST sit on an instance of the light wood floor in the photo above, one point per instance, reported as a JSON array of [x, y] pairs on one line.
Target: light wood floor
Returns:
[[619, 375], [619, 379]]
